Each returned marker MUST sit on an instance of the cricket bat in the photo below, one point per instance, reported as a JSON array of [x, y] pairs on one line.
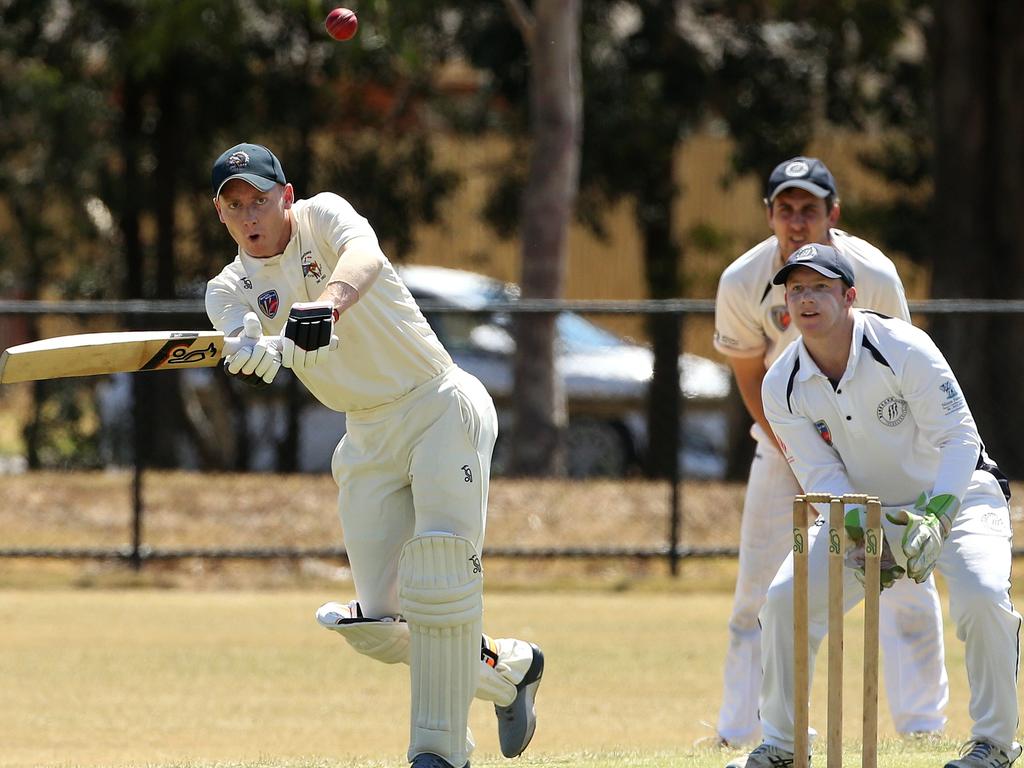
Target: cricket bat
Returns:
[[92, 354]]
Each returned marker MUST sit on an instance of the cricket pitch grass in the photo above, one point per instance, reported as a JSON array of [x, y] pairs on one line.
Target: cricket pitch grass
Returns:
[[200, 663], [148, 677]]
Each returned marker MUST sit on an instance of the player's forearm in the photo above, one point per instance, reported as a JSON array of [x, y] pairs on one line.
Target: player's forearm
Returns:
[[358, 268], [749, 374]]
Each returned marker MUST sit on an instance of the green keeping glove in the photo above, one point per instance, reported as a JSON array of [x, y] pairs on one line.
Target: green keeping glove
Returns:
[[928, 526], [856, 556]]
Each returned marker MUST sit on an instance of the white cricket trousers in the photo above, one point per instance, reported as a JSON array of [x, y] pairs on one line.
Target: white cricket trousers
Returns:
[[421, 463], [975, 561], [911, 616]]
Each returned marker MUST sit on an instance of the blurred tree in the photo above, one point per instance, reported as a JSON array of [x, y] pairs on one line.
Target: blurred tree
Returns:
[[977, 235], [51, 220], [173, 82], [551, 35]]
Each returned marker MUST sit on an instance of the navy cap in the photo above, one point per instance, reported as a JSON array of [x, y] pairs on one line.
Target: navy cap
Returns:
[[253, 163], [823, 259], [807, 173]]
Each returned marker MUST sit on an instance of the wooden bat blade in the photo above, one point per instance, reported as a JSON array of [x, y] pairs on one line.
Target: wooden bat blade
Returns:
[[92, 354]]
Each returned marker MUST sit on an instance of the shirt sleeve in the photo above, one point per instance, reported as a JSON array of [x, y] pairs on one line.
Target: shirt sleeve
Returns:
[[941, 413], [738, 331], [884, 292], [816, 464], [336, 222], [225, 308]]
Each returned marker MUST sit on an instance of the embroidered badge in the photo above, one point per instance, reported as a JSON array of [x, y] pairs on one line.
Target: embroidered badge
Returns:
[[238, 160], [954, 400], [311, 267], [797, 168], [269, 302], [781, 318], [892, 411], [824, 431]]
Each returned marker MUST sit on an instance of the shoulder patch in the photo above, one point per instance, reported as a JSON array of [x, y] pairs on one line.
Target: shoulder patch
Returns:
[[953, 401]]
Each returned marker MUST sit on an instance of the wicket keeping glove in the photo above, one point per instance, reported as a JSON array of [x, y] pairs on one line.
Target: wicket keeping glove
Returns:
[[308, 335], [928, 526], [856, 556], [257, 363]]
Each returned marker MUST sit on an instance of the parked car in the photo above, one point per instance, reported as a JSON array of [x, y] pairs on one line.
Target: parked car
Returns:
[[606, 378]]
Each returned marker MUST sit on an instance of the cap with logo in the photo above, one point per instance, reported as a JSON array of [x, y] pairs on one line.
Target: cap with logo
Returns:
[[807, 173], [252, 163], [823, 259]]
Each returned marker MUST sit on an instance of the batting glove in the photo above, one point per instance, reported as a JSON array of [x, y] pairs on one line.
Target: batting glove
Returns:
[[927, 527], [856, 556], [257, 363], [308, 335]]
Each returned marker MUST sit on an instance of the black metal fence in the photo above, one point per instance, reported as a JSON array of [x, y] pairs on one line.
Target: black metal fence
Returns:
[[190, 314]]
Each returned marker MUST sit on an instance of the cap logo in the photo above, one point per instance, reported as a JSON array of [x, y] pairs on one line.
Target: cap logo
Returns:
[[805, 254], [797, 168], [238, 160]]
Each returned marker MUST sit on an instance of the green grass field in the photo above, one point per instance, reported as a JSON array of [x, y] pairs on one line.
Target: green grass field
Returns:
[[150, 677]]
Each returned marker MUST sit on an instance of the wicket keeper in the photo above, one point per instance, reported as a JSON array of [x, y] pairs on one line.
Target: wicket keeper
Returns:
[[864, 403]]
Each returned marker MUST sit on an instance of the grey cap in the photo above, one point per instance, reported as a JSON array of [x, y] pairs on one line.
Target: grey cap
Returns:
[[823, 259], [807, 173]]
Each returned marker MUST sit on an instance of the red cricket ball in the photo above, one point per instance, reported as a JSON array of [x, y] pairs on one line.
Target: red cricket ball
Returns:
[[342, 24]]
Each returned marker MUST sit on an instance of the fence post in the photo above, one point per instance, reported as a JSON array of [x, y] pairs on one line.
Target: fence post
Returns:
[[139, 453], [675, 476]]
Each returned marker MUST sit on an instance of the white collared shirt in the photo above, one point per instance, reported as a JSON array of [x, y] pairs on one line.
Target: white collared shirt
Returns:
[[386, 347], [896, 424], [751, 319]]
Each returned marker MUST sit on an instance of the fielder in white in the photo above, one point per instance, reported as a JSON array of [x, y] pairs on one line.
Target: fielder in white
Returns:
[[867, 403], [752, 328], [414, 465]]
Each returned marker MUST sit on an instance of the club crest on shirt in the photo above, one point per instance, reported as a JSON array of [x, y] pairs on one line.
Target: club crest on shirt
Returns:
[[892, 411], [781, 318], [269, 302], [824, 431], [954, 400], [311, 267]]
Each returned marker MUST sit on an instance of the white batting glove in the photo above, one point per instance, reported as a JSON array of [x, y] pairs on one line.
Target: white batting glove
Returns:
[[309, 335], [256, 363], [927, 528]]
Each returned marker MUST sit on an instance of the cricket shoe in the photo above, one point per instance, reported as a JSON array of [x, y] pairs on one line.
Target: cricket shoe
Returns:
[[518, 721], [984, 754], [764, 756], [430, 760]]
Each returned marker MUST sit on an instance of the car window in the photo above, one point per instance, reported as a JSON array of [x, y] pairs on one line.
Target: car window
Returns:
[[576, 334]]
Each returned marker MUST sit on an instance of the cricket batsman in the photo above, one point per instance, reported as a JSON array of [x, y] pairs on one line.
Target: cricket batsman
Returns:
[[414, 465]]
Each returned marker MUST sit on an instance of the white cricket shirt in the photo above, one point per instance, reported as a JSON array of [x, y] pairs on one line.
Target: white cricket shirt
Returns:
[[386, 347], [751, 319], [895, 425]]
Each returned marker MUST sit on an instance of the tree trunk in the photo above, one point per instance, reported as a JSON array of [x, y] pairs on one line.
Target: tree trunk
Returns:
[[979, 207], [538, 447], [661, 264]]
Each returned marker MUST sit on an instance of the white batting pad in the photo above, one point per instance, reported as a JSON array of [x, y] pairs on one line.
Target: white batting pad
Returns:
[[385, 640], [441, 595]]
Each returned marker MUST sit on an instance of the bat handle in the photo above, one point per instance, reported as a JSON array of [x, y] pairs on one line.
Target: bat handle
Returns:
[[234, 343]]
